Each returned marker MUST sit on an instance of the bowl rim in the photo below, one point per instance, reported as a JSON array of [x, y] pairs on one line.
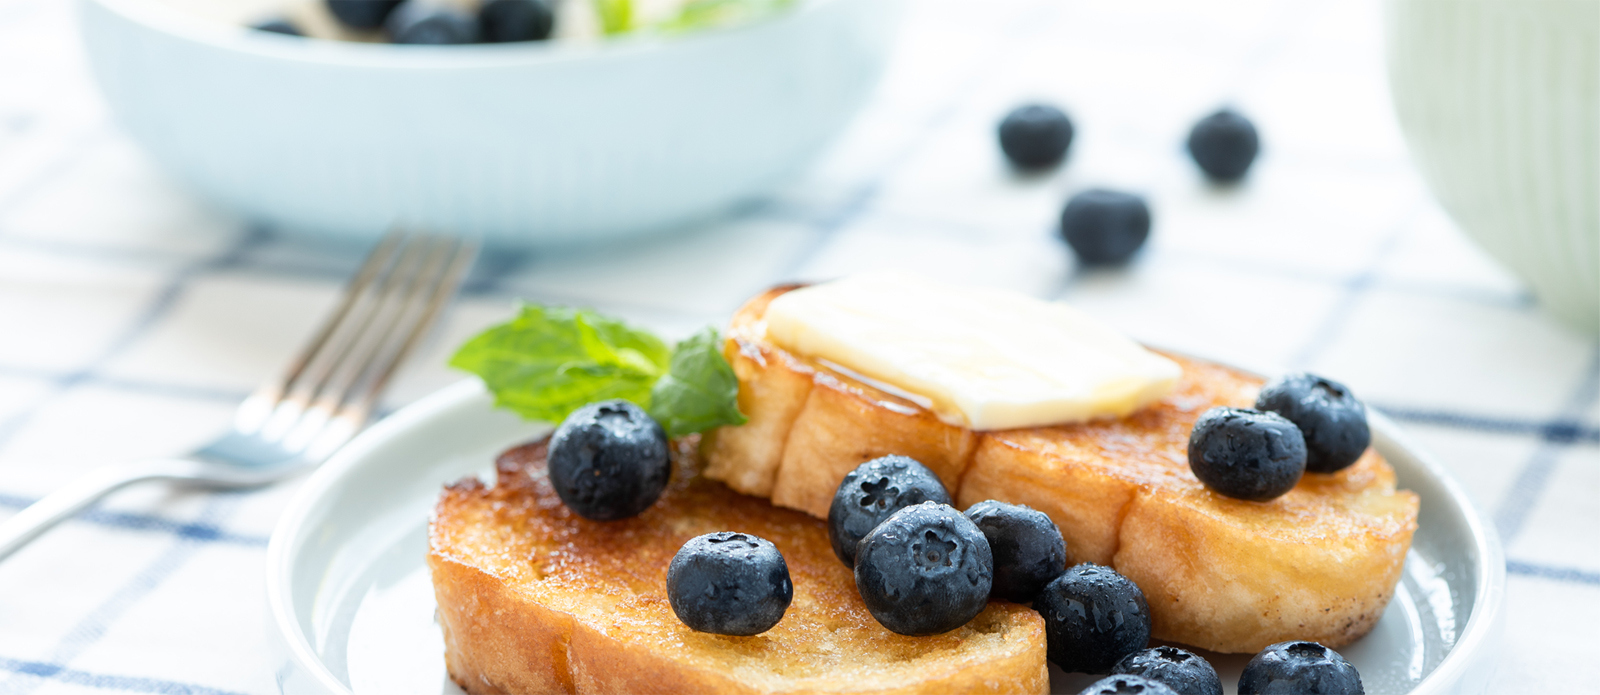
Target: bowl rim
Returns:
[[174, 22], [1489, 572]]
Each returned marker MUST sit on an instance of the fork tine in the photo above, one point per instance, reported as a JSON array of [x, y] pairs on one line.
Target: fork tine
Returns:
[[307, 408], [438, 294], [344, 403], [345, 337], [256, 408]]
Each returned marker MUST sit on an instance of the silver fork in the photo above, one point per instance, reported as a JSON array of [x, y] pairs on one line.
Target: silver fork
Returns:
[[324, 396]]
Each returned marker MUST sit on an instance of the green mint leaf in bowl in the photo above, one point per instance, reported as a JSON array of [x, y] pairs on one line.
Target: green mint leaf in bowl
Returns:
[[550, 361], [699, 391], [616, 16], [704, 14]]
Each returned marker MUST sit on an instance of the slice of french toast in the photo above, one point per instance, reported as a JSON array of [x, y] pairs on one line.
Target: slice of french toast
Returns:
[[535, 599], [1319, 563]]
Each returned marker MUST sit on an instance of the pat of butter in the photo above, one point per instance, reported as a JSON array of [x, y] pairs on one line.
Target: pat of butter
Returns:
[[985, 359]]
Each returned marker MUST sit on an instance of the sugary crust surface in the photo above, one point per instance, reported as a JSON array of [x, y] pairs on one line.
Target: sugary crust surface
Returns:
[[533, 599], [1319, 563]]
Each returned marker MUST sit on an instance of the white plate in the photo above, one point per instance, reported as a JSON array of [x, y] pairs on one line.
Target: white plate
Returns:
[[352, 605]]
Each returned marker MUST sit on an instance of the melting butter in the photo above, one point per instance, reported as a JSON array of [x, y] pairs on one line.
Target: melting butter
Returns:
[[984, 359]]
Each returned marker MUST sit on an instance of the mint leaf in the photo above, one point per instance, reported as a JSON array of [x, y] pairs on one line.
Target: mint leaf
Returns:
[[699, 391], [616, 16], [702, 14], [548, 362]]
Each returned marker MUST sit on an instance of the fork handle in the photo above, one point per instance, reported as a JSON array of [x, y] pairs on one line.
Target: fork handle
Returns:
[[77, 495]]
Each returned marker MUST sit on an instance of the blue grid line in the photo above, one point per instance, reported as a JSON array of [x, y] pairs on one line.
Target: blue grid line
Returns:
[[130, 684], [94, 626], [129, 521], [1553, 431], [486, 283], [1530, 483], [58, 166], [122, 255], [1355, 288], [1561, 574], [862, 197], [166, 297], [963, 230], [828, 225], [89, 630], [138, 386], [493, 267], [510, 291], [1521, 301], [167, 390]]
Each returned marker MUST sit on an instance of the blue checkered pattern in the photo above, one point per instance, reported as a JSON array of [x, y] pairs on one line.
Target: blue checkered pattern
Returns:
[[133, 317]]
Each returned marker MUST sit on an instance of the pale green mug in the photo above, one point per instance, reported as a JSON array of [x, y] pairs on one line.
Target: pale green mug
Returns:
[[1500, 104]]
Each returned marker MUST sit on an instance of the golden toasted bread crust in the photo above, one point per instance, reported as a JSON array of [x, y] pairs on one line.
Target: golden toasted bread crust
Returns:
[[534, 599], [1319, 563]]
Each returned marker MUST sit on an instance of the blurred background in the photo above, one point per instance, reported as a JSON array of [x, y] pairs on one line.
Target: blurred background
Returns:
[[181, 198]]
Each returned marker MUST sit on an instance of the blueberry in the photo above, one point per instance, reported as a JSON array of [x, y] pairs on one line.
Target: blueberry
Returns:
[[609, 460], [729, 584], [1027, 547], [423, 22], [924, 570], [874, 491], [1330, 417], [1224, 144], [1035, 136], [277, 25], [1184, 672], [362, 14], [503, 21], [1128, 685], [1302, 668], [1247, 454], [1092, 618], [1105, 227]]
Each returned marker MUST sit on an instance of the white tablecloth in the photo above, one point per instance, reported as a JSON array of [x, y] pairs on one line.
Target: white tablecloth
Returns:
[[134, 316]]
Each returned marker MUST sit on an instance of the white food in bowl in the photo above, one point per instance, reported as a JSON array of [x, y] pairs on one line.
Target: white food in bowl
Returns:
[[543, 142]]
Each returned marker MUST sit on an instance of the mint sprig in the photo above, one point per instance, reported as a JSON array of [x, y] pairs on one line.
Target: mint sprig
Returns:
[[699, 390], [550, 361], [703, 14], [616, 16]]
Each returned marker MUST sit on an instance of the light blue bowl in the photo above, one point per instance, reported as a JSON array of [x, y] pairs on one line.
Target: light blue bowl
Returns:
[[533, 143], [1500, 104]]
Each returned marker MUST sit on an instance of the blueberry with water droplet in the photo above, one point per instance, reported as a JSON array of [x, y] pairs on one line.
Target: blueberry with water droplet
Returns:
[[1330, 417], [1027, 546], [1093, 617], [1183, 671], [1304, 668], [729, 584], [1128, 685], [1246, 454], [925, 570], [874, 491], [609, 460]]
